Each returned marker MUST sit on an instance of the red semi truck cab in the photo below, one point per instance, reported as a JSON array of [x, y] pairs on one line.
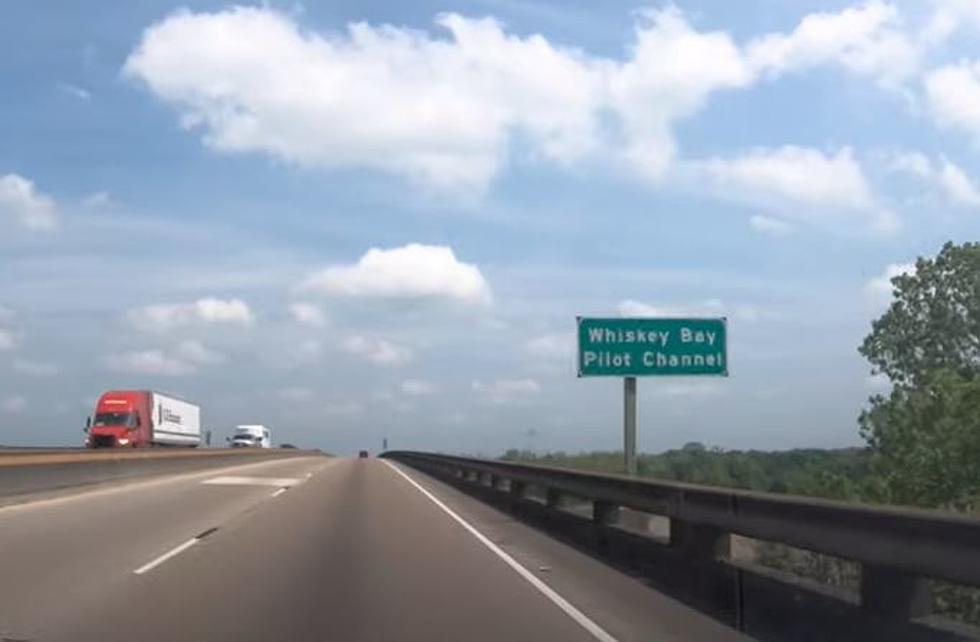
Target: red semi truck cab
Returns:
[[136, 418], [122, 418]]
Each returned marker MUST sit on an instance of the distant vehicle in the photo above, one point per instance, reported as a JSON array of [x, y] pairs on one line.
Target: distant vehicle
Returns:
[[140, 418], [286, 446], [363, 454], [251, 436]]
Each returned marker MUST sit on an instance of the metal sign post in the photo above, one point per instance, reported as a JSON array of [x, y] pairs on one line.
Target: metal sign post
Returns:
[[649, 347], [629, 424]]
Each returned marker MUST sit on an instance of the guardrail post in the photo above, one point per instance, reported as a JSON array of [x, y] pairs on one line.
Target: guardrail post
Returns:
[[697, 540], [893, 593], [604, 513], [518, 492], [553, 498]]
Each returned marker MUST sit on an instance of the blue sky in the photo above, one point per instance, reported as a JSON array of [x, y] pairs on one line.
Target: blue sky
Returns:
[[356, 220]]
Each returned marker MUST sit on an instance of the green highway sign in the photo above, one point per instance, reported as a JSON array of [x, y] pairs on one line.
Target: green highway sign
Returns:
[[625, 347]]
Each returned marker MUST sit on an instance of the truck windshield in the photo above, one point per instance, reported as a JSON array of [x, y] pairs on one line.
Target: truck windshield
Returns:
[[127, 419]]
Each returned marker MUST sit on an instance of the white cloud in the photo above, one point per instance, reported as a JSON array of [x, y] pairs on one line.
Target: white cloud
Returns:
[[7, 341], [455, 419], [954, 182], [20, 200], [294, 394], [867, 40], [308, 314], [76, 91], [185, 359], [404, 407], [744, 312], [377, 351], [13, 404], [948, 17], [504, 391], [770, 226], [256, 82], [552, 346], [223, 311], [709, 308], [672, 71], [96, 200], [35, 368], [309, 350], [149, 362], [693, 389], [410, 271], [878, 290], [799, 174], [953, 93], [165, 316], [417, 387], [957, 185], [805, 183], [632, 308], [343, 408], [910, 162], [195, 352]]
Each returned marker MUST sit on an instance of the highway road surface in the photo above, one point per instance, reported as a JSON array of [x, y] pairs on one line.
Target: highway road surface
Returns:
[[309, 548]]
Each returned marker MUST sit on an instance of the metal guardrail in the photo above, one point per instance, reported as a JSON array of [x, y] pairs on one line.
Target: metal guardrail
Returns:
[[897, 548]]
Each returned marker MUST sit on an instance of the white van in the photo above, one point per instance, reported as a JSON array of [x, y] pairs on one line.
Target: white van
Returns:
[[251, 436]]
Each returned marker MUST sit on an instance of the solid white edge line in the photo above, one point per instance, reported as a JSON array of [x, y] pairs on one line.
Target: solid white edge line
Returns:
[[149, 566], [580, 618], [279, 492]]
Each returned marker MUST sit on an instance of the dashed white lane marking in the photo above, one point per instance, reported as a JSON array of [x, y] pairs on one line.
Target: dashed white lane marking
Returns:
[[252, 481], [279, 492], [580, 618], [149, 566]]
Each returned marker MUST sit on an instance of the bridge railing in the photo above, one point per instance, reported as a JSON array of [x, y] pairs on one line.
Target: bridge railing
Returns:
[[898, 549]]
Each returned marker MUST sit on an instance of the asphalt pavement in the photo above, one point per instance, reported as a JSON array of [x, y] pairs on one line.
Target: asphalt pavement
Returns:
[[309, 548]]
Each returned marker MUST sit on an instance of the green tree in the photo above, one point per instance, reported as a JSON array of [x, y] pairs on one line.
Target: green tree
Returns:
[[926, 442], [925, 435], [934, 320]]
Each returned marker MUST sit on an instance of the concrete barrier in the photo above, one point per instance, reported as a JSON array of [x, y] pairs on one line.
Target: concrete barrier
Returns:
[[29, 472]]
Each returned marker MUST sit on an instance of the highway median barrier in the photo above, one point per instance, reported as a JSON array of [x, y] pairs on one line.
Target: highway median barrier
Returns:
[[26, 472]]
